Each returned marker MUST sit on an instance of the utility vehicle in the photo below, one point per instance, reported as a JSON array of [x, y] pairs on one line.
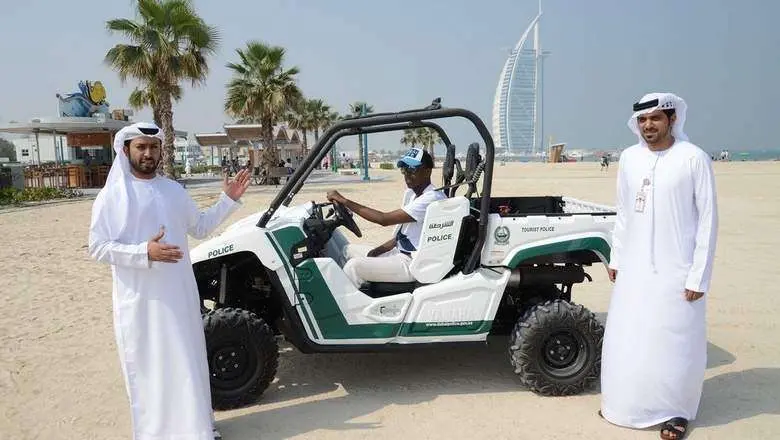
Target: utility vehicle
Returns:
[[485, 265]]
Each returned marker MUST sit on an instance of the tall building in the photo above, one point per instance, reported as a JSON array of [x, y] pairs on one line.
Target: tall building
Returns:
[[517, 106]]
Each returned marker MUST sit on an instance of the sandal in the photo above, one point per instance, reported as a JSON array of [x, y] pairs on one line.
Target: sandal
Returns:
[[670, 430]]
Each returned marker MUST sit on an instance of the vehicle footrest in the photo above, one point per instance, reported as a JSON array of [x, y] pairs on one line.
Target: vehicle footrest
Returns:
[[379, 290]]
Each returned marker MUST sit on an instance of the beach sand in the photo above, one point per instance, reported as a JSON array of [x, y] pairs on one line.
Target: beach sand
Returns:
[[60, 377]]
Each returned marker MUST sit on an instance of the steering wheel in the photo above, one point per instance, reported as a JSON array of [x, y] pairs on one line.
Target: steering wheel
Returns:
[[346, 217]]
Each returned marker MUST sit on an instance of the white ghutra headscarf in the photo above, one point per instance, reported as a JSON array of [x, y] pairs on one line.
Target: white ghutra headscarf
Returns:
[[660, 101], [117, 184], [120, 172]]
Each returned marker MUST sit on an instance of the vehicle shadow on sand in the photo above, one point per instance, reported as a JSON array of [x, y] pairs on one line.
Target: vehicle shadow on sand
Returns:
[[365, 383], [361, 384]]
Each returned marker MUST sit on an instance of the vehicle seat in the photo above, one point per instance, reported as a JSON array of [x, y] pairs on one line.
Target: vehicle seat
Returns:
[[440, 236], [469, 233]]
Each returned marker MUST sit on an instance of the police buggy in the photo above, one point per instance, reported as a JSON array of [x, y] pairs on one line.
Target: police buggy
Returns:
[[506, 267]]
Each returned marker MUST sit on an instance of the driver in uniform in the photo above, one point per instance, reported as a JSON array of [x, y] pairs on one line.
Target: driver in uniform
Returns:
[[390, 261]]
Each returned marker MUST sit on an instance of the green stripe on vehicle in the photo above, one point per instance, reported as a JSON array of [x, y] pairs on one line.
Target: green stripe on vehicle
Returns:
[[596, 244], [328, 316], [295, 288], [327, 312]]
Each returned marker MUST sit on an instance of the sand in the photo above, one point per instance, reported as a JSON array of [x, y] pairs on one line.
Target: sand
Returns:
[[60, 377]]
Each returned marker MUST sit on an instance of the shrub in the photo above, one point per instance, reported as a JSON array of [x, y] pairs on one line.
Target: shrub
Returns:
[[386, 166], [14, 196]]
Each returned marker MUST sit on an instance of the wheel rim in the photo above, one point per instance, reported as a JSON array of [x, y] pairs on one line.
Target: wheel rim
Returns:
[[564, 354], [232, 365]]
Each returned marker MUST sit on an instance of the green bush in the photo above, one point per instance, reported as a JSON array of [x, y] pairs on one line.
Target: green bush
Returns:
[[386, 166], [14, 196]]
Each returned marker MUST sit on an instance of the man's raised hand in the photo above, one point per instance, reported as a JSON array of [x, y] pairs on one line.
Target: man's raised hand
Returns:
[[235, 188], [166, 253]]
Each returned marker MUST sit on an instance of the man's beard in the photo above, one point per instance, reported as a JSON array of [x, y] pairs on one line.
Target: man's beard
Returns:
[[657, 136], [145, 166]]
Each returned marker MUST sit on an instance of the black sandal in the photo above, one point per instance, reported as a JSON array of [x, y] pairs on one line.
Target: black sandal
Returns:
[[670, 431]]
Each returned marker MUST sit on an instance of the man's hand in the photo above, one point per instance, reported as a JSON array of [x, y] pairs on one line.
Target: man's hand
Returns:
[[334, 196], [690, 295], [378, 217], [166, 253], [612, 274], [377, 251], [382, 248], [235, 188]]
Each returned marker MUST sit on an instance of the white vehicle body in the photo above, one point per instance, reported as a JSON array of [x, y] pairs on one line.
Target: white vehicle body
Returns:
[[444, 306]]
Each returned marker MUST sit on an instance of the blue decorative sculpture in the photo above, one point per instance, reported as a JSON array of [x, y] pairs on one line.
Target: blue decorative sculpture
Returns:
[[90, 101]]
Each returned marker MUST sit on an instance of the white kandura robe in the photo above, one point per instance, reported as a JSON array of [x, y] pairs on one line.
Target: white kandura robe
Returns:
[[157, 320], [655, 345]]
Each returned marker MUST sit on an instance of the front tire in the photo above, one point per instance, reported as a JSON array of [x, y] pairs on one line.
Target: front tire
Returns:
[[555, 348], [242, 354]]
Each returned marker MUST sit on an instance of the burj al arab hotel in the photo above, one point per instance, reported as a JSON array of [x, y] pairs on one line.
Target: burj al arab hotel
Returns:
[[517, 106]]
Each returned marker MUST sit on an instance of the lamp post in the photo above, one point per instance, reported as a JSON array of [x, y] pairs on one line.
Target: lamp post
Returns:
[[333, 156], [365, 146]]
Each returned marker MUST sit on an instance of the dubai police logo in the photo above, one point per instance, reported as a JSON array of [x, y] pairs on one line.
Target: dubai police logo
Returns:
[[501, 235]]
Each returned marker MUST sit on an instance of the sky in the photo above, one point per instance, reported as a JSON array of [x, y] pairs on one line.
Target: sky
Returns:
[[720, 56]]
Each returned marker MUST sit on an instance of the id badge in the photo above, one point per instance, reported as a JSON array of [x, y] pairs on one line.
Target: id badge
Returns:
[[639, 204]]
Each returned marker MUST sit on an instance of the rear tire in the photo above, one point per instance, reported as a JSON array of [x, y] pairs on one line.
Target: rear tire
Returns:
[[555, 348], [242, 354]]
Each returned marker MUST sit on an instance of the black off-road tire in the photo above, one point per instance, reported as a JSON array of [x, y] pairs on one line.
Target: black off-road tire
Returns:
[[242, 356], [555, 348]]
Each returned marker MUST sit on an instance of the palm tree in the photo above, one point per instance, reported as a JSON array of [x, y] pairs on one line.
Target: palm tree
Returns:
[[356, 108], [141, 98], [329, 119], [410, 138], [168, 45], [326, 121], [299, 118], [428, 138], [320, 116], [263, 91]]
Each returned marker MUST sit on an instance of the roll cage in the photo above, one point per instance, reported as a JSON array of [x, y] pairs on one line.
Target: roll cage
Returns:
[[386, 122]]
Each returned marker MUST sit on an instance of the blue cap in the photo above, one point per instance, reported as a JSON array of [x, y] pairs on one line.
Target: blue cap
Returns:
[[414, 158]]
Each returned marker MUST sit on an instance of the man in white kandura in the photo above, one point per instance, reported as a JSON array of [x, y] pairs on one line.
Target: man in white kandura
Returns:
[[140, 222], [655, 344]]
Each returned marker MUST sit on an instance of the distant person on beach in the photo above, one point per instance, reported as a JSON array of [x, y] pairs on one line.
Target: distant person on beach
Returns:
[[605, 162], [139, 226], [288, 164], [663, 246]]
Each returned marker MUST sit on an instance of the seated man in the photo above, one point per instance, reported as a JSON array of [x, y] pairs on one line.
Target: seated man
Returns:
[[389, 262]]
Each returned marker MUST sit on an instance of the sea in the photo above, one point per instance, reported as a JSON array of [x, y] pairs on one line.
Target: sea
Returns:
[[752, 155], [734, 155]]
